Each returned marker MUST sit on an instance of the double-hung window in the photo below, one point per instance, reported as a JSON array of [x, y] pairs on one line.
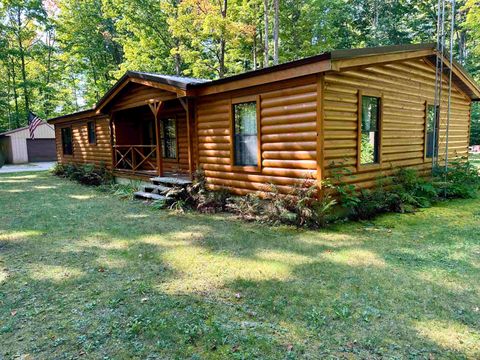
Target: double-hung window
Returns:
[[169, 138], [67, 145], [370, 130], [431, 130], [245, 134], [92, 135]]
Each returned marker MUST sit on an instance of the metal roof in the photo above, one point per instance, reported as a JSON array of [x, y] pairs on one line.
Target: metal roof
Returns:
[[178, 81]]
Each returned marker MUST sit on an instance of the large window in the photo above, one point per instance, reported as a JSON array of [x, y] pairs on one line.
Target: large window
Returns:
[[169, 138], [245, 140], [432, 126], [67, 145], [370, 136], [92, 135]]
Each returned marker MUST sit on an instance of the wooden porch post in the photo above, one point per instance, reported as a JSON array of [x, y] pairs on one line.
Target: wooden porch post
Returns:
[[190, 136], [155, 107], [112, 141]]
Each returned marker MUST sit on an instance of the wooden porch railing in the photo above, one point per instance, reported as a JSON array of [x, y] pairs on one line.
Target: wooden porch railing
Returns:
[[135, 157]]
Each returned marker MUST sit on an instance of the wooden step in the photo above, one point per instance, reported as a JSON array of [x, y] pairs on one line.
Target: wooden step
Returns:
[[170, 181], [148, 196], [156, 189]]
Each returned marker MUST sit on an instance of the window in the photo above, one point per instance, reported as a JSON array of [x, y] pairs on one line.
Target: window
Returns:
[[370, 137], [67, 145], [432, 131], [169, 139], [245, 139], [92, 136]]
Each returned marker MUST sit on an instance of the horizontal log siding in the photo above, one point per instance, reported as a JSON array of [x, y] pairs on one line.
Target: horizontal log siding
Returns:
[[288, 139], [405, 87], [83, 152]]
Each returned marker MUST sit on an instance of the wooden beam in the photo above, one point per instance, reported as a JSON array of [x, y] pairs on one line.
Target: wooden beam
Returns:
[[139, 103], [358, 62], [157, 85], [184, 103], [274, 76], [190, 126], [155, 107], [320, 128], [111, 96]]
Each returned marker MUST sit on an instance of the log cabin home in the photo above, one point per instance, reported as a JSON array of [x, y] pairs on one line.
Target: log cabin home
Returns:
[[369, 110]]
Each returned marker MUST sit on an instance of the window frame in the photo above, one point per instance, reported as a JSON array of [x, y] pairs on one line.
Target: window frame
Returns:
[[379, 96], [163, 138], [437, 129], [94, 123], [71, 140], [245, 168]]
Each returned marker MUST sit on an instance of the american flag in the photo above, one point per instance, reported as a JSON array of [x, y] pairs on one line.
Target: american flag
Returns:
[[33, 122]]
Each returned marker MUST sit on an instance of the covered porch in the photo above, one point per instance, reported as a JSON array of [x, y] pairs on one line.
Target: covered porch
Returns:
[[151, 132]]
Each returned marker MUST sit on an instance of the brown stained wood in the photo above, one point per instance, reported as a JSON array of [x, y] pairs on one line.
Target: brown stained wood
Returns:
[[304, 123], [273, 77]]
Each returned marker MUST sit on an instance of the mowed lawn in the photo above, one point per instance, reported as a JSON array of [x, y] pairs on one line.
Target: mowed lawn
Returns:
[[87, 275]]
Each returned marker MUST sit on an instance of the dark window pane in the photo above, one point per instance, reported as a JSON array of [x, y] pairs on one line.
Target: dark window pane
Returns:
[[67, 145], [245, 137], [432, 129], [92, 137], [370, 130], [169, 139]]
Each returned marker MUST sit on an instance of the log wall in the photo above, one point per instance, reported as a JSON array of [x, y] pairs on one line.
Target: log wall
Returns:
[[288, 137], [83, 152], [405, 88]]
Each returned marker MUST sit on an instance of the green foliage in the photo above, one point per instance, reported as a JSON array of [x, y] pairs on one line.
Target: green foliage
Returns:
[[87, 174], [475, 125], [460, 180], [122, 191], [61, 56]]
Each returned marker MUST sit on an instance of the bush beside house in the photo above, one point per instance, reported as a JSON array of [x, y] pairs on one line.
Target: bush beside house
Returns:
[[307, 206]]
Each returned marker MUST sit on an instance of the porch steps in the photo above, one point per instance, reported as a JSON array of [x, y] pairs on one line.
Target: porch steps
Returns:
[[148, 196], [172, 181], [162, 188], [156, 189]]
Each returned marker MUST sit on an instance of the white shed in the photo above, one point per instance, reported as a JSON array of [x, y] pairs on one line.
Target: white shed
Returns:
[[20, 148]]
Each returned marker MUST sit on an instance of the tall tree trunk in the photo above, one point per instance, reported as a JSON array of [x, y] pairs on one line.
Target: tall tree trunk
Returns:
[[255, 50], [266, 54], [275, 31], [50, 42], [22, 62], [221, 70], [15, 94]]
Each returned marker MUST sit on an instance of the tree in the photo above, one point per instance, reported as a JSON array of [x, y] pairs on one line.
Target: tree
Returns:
[[88, 42], [209, 36]]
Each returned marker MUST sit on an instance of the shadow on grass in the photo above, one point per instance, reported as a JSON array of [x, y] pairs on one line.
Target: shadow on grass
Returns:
[[89, 274]]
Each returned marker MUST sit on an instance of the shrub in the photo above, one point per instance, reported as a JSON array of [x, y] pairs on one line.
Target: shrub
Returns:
[[248, 207], [459, 180], [123, 191], [305, 206], [404, 192], [198, 197], [87, 174]]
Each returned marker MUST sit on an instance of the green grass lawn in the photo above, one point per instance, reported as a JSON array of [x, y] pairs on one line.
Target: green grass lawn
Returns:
[[84, 274]]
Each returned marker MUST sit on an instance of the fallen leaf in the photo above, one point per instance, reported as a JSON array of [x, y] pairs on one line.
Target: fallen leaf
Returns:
[[13, 312], [101, 269]]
